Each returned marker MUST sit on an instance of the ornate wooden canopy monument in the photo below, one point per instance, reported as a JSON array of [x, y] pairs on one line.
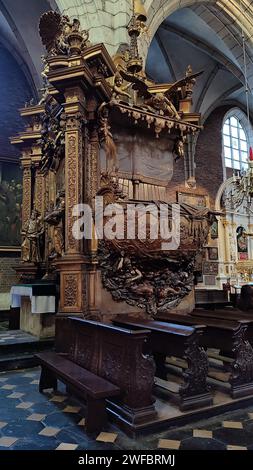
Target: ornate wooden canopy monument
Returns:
[[99, 147], [102, 128]]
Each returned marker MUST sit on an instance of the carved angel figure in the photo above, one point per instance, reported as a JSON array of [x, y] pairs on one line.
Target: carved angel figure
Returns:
[[159, 97], [110, 147], [162, 104]]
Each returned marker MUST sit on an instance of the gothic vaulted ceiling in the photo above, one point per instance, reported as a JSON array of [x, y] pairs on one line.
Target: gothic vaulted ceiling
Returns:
[[188, 37], [206, 34]]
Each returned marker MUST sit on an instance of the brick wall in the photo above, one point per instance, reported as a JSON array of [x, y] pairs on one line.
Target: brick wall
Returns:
[[208, 156], [7, 274]]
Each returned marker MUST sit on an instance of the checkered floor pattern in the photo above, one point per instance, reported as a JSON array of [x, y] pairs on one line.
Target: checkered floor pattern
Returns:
[[16, 336], [32, 421]]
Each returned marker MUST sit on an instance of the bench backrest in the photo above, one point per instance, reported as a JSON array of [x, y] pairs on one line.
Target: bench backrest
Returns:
[[111, 352], [210, 296]]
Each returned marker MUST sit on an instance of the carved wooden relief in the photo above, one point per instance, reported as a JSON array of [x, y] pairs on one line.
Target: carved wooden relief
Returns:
[[26, 204], [40, 192], [72, 187], [71, 290]]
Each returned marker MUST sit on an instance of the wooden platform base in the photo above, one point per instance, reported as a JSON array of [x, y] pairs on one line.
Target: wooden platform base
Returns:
[[169, 414]]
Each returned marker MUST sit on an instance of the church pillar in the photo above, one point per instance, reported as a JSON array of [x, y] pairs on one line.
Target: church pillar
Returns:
[[92, 181], [71, 265]]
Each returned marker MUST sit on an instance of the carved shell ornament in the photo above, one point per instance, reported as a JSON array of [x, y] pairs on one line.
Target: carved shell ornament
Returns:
[[60, 35], [50, 28]]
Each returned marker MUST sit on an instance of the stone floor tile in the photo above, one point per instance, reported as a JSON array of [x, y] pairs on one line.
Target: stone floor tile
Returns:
[[49, 431], [24, 405], [107, 437], [36, 417], [8, 387], [168, 444], [202, 433], [15, 395], [66, 446], [58, 398], [82, 422], [72, 409], [6, 441], [232, 424], [236, 448]]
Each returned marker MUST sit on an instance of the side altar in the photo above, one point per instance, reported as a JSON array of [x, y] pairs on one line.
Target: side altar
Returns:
[[103, 130]]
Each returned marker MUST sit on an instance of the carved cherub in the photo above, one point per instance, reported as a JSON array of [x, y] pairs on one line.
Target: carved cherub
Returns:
[[118, 88]]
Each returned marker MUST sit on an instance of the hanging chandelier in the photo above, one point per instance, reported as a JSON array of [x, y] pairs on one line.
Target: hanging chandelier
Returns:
[[241, 189]]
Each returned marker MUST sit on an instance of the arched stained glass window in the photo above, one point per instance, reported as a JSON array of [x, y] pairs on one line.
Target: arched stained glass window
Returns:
[[235, 145]]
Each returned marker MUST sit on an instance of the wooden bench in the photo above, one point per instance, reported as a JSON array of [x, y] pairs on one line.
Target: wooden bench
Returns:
[[231, 338], [245, 302], [212, 298], [167, 339], [90, 386], [116, 355], [228, 314]]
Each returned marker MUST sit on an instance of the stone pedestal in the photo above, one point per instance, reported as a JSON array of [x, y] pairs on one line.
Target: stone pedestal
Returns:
[[41, 325]]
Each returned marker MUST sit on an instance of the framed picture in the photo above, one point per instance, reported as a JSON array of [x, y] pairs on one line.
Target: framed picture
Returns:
[[210, 280], [210, 268], [214, 229], [199, 278], [10, 205], [197, 200], [212, 253]]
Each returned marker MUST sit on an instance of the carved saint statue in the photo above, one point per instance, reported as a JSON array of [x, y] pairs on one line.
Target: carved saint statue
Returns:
[[179, 148], [32, 233], [56, 219], [242, 240]]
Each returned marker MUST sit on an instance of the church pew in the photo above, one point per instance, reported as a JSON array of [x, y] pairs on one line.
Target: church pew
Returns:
[[183, 341], [211, 298], [225, 335], [115, 354], [89, 385], [228, 314]]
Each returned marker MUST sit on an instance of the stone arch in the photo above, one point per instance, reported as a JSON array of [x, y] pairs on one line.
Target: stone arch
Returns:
[[158, 10], [226, 184]]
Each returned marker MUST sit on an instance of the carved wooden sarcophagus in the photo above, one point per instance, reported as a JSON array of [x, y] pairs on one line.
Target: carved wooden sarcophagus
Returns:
[[103, 129]]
